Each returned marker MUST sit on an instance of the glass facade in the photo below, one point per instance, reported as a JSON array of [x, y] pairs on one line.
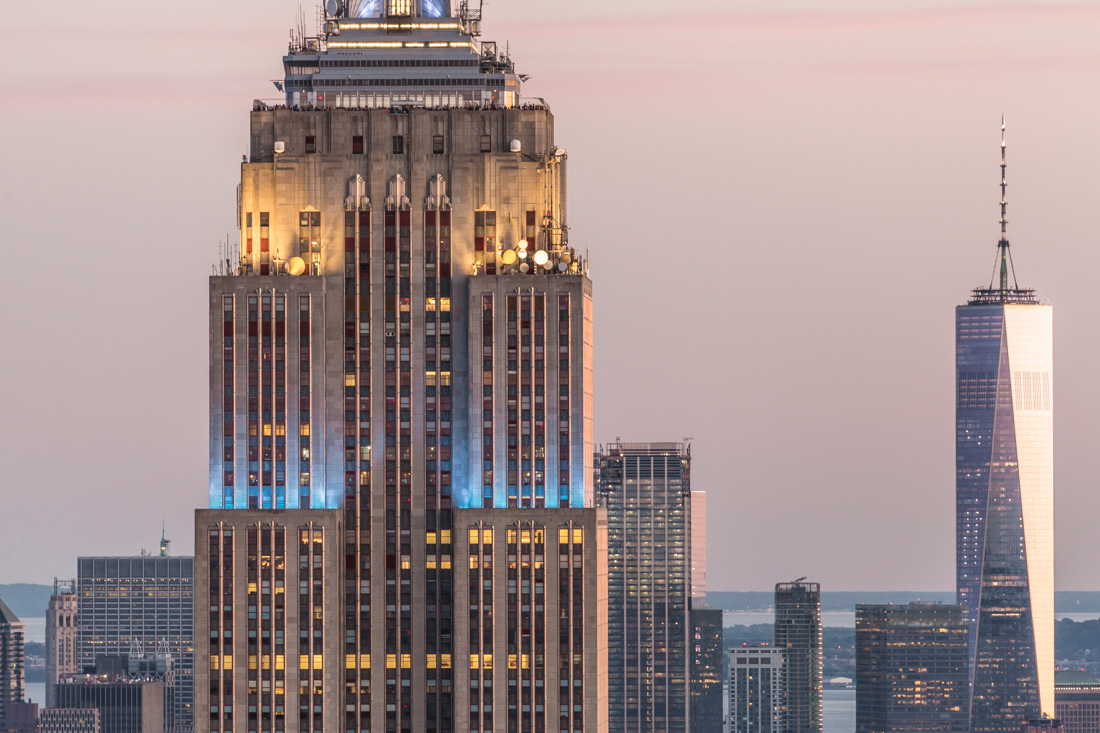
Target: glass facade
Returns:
[[1004, 509], [798, 635], [911, 668], [646, 489], [706, 668], [146, 602]]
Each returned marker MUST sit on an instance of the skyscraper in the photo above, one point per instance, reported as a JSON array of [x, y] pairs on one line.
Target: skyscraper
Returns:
[[1005, 495], [145, 602], [698, 546], [406, 208], [12, 680], [911, 668], [62, 627], [646, 488], [798, 636], [706, 669], [757, 692]]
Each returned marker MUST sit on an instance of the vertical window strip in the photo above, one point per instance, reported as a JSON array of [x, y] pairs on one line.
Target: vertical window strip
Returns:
[[488, 411], [564, 407], [253, 401], [267, 381], [265, 243], [539, 398], [280, 401], [303, 397], [228, 401]]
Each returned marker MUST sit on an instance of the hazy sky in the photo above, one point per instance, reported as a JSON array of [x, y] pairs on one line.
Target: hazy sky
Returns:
[[782, 201]]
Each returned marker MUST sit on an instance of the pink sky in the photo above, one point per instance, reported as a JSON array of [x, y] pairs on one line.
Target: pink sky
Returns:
[[782, 209]]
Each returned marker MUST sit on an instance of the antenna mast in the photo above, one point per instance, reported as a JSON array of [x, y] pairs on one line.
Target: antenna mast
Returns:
[[1003, 244]]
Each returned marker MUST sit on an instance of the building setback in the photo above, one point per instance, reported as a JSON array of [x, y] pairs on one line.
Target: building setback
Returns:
[[797, 634], [124, 707], [12, 681], [1005, 496], [646, 489], [706, 668], [1077, 701], [62, 628], [757, 689], [534, 582], [147, 603], [911, 668]]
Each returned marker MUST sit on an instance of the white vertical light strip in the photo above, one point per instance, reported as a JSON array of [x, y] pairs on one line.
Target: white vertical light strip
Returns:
[[1029, 329]]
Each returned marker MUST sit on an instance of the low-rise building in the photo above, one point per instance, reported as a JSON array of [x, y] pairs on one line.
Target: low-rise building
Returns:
[[69, 720], [124, 706], [1077, 701]]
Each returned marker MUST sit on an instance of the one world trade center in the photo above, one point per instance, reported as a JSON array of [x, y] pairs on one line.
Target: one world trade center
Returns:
[[1005, 495]]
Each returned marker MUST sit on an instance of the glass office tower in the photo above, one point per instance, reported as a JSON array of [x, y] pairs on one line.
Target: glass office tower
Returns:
[[127, 603], [911, 668], [646, 488], [1005, 498], [797, 634]]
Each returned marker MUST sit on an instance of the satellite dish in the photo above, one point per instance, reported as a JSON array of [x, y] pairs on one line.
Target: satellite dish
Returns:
[[523, 254], [562, 266], [565, 257], [333, 7], [508, 257], [541, 257], [522, 244], [524, 267], [295, 266]]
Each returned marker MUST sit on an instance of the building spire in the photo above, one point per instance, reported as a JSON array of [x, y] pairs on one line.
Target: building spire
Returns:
[[1003, 292], [1003, 244]]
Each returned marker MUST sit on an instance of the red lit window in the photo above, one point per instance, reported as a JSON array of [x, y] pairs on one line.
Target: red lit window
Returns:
[[311, 143], [357, 145]]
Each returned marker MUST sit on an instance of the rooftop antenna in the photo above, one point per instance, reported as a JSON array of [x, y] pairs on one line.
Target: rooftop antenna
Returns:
[[165, 543], [1004, 254]]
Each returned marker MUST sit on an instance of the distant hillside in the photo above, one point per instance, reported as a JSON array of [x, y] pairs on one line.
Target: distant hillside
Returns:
[[1065, 601], [830, 600], [1072, 640], [27, 600]]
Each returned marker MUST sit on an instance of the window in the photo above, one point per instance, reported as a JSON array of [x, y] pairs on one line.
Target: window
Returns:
[[437, 144], [398, 144], [486, 143], [357, 145], [311, 143]]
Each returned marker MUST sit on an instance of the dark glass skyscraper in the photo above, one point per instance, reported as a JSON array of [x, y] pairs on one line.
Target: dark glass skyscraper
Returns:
[[706, 667], [646, 489], [798, 636], [911, 668], [1005, 497]]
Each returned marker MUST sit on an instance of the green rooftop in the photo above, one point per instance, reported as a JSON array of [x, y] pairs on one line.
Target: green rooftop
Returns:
[[1074, 678]]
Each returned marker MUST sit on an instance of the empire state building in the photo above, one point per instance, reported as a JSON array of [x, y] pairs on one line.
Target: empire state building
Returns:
[[401, 533]]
